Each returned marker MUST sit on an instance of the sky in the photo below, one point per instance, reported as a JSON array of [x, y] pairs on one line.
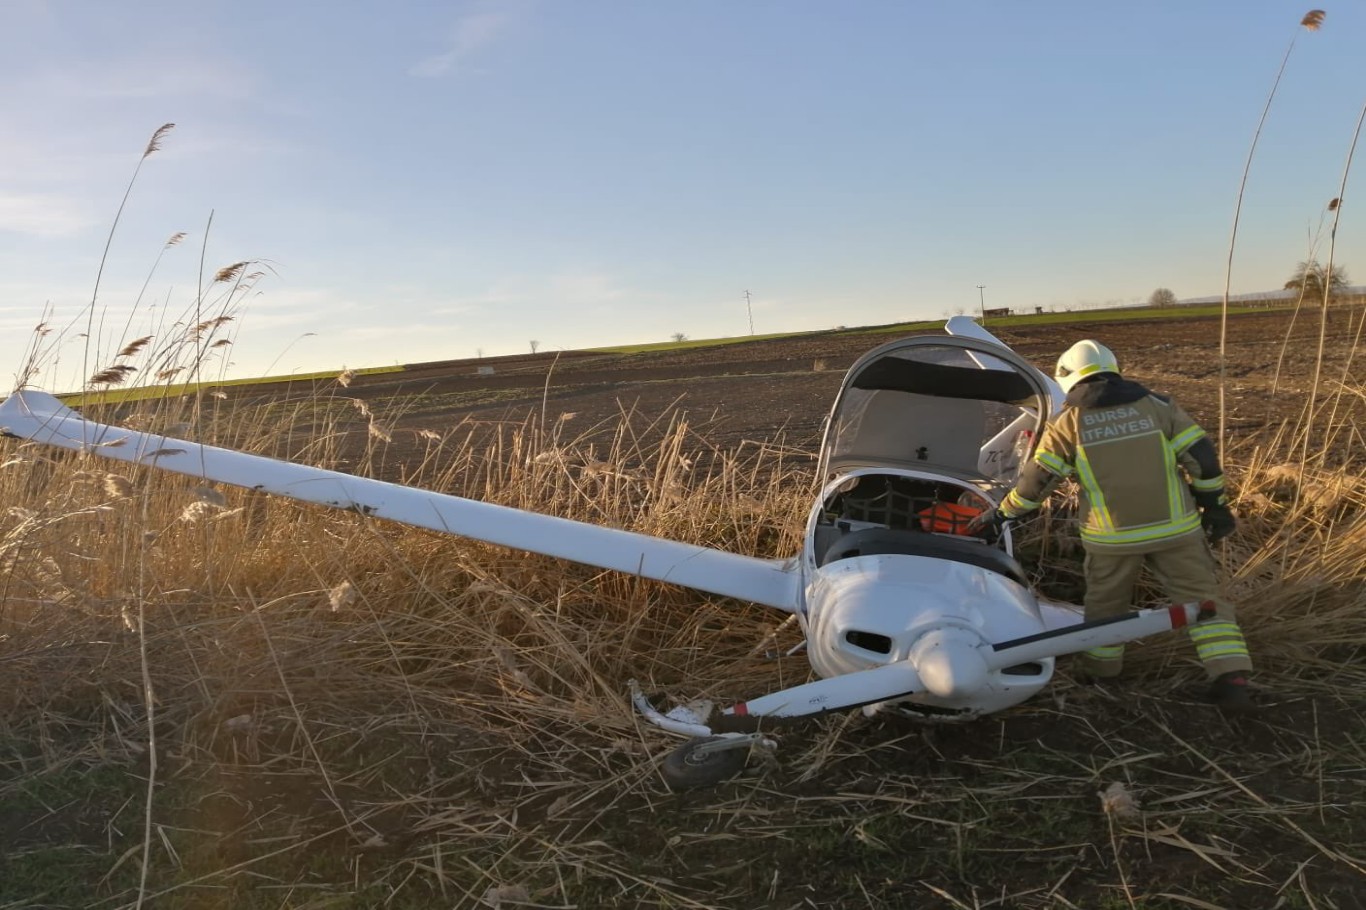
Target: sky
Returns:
[[417, 181]]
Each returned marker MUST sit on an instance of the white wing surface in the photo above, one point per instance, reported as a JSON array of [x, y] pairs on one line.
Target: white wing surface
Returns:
[[40, 417]]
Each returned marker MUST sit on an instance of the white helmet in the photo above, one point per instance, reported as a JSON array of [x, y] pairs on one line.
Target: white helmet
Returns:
[[1085, 358]]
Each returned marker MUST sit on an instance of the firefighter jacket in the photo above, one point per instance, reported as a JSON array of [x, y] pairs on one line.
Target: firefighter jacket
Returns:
[[1145, 468]]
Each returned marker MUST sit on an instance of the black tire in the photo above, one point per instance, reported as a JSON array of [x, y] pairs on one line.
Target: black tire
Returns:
[[685, 769]]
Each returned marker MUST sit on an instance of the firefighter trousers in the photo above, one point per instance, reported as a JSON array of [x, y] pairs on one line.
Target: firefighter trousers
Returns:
[[1186, 571]]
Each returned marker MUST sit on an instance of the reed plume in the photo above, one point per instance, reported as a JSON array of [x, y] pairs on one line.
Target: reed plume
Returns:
[[113, 375], [1310, 22], [134, 346], [153, 145]]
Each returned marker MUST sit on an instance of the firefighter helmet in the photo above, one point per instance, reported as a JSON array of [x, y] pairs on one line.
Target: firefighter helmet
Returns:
[[1085, 358]]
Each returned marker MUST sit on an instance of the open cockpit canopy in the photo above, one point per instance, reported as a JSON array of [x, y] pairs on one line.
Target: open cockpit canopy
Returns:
[[957, 405]]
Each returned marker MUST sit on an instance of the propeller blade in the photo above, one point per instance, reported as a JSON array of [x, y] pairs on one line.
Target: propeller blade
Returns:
[[1095, 634], [837, 693]]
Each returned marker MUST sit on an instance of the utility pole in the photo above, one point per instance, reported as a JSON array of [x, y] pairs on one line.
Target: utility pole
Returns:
[[982, 301], [750, 311]]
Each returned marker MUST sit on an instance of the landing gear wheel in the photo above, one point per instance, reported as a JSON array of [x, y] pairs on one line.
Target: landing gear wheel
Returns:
[[688, 766]]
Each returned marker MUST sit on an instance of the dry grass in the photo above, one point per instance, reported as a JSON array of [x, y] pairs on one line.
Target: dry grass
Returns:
[[371, 714]]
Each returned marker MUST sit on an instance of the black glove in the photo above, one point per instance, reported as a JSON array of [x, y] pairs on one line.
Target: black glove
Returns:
[[1210, 499], [987, 525], [1218, 522]]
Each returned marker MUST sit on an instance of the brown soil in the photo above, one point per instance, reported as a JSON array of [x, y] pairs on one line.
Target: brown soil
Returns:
[[772, 389]]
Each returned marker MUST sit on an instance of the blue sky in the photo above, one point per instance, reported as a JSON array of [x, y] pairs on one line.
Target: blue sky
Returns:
[[435, 180]]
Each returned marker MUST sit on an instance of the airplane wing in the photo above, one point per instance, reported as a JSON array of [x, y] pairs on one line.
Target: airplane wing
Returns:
[[40, 417]]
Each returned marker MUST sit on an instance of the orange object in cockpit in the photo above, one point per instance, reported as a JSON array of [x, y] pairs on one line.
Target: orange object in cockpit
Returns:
[[947, 518]]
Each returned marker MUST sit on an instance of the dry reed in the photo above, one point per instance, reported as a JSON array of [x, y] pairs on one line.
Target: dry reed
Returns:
[[1311, 21], [280, 640]]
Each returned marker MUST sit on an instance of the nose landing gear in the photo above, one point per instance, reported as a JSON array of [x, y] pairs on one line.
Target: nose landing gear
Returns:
[[708, 760]]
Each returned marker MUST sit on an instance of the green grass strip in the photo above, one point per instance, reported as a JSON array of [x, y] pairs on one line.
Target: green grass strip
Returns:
[[145, 393]]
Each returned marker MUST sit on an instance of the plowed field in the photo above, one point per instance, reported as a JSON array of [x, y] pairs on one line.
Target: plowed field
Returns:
[[781, 388]]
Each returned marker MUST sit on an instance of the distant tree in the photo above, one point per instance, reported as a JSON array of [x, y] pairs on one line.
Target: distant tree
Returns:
[[534, 346], [1162, 297], [679, 337], [1310, 277], [479, 352]]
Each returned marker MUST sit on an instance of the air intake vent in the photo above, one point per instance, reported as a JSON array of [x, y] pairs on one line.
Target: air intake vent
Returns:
[[869, 641], [1029, 669]]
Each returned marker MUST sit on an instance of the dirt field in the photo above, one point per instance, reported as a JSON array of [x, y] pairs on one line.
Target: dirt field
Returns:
[[781, 389], [777, 391]]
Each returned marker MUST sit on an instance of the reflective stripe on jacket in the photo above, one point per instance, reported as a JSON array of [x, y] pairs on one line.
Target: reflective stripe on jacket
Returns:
[[1130, 451]]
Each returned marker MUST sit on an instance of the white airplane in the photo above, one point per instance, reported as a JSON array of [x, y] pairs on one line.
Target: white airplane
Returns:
[[900, 610]]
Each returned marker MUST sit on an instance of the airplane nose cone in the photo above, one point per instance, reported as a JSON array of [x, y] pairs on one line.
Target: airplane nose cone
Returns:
[[948, 662]]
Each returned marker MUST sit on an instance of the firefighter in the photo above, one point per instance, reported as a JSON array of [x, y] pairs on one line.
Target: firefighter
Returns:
[[1152, 493]]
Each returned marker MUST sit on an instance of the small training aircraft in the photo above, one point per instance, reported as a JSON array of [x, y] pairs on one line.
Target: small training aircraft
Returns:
[[900, 609]]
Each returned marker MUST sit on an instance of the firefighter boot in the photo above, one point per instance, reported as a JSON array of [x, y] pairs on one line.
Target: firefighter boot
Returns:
[[1231, 694]]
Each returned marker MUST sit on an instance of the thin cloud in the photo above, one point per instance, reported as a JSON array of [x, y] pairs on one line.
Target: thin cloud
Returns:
[[574, 288], [136, 77], [588, 288], [43, 215], [470, 35], [29, 161], [405, 331]]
